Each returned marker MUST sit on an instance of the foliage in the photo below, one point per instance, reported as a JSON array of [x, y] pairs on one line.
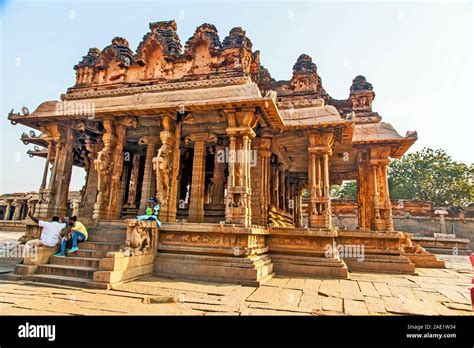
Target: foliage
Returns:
[[348, 190], [431, 175]]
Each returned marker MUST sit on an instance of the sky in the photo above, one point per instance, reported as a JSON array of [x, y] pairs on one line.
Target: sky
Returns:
[[417, 55]]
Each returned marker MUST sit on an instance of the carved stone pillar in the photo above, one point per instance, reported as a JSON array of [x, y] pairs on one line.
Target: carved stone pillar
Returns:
[[149, 182], [17, 211], [196, 206], [298, 209], [238, 202], [31, 206], [218, 176], [54, 198], [8, 210], [375, 210], [274, 175], [319, 213], [162, 166], [133, 184], [115, 205], [90, 190], [109, 166], [46, 169], [282, 187], [261, 180], [173, 200], [257, 184]]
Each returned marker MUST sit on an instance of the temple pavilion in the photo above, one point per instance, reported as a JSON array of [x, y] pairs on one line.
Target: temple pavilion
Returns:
[[228, 151]]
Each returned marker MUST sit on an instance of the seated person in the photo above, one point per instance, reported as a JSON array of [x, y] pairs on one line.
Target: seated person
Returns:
[[77, 234], [50, 232], [152, 211]]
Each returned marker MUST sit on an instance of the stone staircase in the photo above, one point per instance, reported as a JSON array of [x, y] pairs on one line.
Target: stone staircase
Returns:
[[78, 268]]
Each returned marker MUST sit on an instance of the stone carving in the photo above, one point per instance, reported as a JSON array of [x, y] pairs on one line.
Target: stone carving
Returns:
[[408, 246], [162, 167], [104, 166], [141, 237], [362, 94]]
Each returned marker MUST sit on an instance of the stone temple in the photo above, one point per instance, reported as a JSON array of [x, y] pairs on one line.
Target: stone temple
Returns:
[[229, 152]]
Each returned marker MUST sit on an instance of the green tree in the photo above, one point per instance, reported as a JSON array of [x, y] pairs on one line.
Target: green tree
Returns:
[[431, 175], [348, 190]]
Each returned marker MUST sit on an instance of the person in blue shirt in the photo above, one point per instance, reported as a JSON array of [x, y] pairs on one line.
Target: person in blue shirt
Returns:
[[152, 211]]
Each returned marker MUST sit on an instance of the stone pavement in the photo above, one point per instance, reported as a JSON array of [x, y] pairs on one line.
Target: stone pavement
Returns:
[[432, 292]]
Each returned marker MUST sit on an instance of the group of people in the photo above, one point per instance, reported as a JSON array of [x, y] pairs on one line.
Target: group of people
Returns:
[[55, 231]]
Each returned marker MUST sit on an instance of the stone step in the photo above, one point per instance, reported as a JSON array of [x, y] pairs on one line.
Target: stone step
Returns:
[[109, 224], [107, 228], [75, 261], [67, 281], [88, 253], [67, 271], [103, 246], [109, 231], [112, 238]]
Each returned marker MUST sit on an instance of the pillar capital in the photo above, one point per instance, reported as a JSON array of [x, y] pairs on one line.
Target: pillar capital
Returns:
[[320, 142], [148, 139], [201, 137]]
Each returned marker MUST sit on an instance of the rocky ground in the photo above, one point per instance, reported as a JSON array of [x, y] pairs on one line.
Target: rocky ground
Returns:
[[431, 292]]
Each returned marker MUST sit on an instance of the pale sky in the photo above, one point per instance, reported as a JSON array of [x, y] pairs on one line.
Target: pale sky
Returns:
[[417, 55]]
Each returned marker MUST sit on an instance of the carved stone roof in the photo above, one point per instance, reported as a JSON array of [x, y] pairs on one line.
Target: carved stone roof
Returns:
[[311, 116], [375, 132], [208, 73]]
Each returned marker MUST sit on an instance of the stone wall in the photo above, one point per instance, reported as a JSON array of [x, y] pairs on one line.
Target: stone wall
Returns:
[[417, 217]]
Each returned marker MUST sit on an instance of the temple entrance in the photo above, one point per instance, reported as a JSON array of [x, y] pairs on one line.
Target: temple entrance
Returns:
[[132, 181], [213, 184], [184, 182]]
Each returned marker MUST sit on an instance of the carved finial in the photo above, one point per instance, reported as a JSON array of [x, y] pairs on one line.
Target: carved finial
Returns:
[[362, 94], [205, 32], [164, 25], [360, 84], [237, 38], [90, 59], [304, 64], [119, 41]]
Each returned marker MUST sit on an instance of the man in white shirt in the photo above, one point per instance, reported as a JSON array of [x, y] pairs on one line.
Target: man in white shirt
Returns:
[[49, 234]]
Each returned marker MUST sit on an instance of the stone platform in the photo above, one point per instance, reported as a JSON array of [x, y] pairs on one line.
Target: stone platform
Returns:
[[227, 253], [383, 251], [444, 245], [214, 252], [431, 292], [305, 252]]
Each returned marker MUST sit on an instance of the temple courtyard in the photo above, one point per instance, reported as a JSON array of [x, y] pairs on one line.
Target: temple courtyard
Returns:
[[431, 292]]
